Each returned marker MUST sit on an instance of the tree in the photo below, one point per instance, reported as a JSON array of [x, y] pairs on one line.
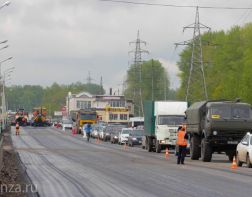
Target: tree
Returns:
[[53, 97], [228, 71], [154, 84]]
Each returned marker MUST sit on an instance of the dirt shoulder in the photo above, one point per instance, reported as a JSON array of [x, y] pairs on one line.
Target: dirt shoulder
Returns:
[[14, 181]]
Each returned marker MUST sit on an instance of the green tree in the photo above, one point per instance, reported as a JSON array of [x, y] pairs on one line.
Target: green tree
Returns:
[[154, 85], [52, 97], [228, 71]]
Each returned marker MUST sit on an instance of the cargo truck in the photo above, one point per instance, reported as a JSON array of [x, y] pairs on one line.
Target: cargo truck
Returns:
[[217, 126], [83, 116], [161, 121]]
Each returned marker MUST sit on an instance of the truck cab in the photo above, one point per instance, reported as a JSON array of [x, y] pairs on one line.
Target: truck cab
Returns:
[[166, 128]]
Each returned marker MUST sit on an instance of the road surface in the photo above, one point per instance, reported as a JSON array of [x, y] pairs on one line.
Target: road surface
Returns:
[[63, 165]]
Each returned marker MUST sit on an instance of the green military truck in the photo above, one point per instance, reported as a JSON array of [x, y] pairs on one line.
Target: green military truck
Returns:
[[217, 126]]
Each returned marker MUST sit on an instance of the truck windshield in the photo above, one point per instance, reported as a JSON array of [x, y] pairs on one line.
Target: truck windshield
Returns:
[[171, 120], [230, 112], [88, 116]]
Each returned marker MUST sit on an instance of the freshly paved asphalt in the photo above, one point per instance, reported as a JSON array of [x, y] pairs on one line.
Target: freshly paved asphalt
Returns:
[[60, 164]]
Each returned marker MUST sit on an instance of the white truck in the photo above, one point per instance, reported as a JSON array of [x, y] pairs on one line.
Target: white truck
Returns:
[[162, 119]]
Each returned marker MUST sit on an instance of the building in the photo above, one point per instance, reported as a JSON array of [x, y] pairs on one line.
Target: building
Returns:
[[110, 108]]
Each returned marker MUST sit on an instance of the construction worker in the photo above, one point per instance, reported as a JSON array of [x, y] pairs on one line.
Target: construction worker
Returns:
[[182, 144], [17, 128], [87, 130]]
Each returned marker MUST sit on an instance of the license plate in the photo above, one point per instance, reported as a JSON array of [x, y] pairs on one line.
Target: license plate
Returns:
[[140, 141], [232, 142]]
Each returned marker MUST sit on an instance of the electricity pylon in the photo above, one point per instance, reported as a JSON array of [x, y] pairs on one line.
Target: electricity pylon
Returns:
[[137, 90], [196, 84]]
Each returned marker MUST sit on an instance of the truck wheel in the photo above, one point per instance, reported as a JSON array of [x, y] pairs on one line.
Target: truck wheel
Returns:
[[195, 147], [239, 163], [149, 145], [158, 147], [206, 151], [249, 165]]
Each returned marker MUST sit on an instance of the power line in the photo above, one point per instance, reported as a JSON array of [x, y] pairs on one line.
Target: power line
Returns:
[[178, 6]]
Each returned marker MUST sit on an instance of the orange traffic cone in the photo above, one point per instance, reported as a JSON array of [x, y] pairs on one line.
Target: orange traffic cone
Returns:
[[234, 164], [166, 153]]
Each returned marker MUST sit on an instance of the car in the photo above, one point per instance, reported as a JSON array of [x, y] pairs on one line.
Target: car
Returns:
[[98, 130], [114, 134], [66, 124], [124, 135], [94, 132], [135, 137], [244, 151], [101, 133]]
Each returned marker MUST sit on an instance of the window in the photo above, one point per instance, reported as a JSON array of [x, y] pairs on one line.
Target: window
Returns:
[[113, 116], [83, 104], [251, 140], [118, 103], [123, 117]]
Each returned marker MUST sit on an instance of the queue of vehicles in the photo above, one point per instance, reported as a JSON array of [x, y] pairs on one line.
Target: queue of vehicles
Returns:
[[213, 126]]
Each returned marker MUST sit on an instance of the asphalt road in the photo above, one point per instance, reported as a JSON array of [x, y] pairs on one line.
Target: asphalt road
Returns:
[[60, 164]]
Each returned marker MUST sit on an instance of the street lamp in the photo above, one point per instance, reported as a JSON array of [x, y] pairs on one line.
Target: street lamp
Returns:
[[68, 105], [3, 42], [9, 70], [7, 73], [6, 60], [3, 62], [7, 3], [4, 47]]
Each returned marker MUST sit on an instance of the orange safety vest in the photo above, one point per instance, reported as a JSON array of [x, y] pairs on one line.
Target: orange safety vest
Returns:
[[181, 141]]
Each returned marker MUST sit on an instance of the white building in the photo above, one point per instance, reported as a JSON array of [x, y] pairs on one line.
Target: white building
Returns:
[[110, 108]]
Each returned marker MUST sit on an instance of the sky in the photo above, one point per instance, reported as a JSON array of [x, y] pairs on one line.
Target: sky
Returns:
[[63, 40]]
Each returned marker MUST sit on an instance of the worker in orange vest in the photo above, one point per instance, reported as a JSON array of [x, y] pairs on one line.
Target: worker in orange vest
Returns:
[[182, 144]]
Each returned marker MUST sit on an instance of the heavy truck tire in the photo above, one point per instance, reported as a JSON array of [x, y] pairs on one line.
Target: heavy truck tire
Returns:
[[149, 144], [195, 147], [158, 147], [206, 151]]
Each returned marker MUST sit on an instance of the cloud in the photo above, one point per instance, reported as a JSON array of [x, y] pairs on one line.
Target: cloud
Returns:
[[173, 71], [61, 40]]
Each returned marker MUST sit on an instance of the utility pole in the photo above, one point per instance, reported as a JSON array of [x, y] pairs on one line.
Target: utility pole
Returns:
[[152, 81], [196, 84], [101, 86], [89, 79], [138, 99], [165, 86]]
